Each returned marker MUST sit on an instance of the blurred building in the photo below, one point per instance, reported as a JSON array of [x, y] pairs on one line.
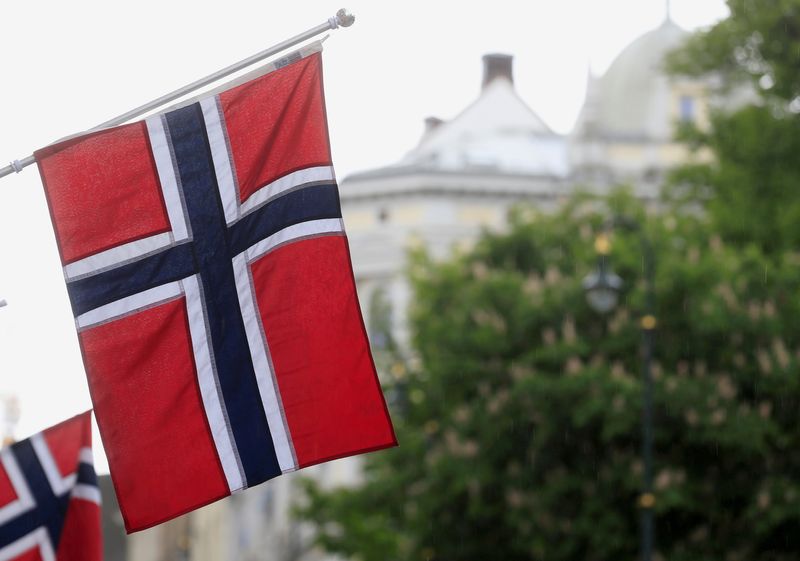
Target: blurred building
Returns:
[[115, 543], [465, 174], [625, 130], [462, 177], [256, 525]]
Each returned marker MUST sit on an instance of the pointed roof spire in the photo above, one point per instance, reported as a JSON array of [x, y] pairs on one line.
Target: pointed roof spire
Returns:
[[668, 14]]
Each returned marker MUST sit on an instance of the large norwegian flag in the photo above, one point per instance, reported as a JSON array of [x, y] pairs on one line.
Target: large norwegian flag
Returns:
[[49, 499], [210, 279]]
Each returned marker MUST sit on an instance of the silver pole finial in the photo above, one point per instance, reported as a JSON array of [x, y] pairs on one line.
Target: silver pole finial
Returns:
[[345, 18]]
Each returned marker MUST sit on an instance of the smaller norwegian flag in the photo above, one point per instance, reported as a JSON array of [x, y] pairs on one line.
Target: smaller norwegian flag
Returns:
[[49, 499]]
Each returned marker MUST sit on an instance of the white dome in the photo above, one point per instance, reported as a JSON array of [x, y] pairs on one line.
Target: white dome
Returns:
[[631, 101]]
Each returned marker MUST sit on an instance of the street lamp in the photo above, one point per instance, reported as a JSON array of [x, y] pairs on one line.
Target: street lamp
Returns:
[[602, 287], [602, 293]]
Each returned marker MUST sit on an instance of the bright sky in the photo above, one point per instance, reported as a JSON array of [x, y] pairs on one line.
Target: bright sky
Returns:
[[70, 65]]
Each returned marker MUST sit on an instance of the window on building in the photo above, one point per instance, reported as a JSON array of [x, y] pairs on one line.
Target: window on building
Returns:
[[687, 108], [380, 321], [268, 503], [651, 174]]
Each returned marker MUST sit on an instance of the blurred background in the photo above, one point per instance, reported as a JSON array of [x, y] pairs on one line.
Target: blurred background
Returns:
[[575, 235]]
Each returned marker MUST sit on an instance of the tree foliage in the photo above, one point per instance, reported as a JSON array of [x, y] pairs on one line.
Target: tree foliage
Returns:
[[758, 43], [519, 425], [751, 189]]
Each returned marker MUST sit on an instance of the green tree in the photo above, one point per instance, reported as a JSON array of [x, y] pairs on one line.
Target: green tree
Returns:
[[519, 427], [751, 190], [759, 43]]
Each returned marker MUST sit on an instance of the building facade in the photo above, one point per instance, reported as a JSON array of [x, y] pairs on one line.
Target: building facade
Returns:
[[465, 174]]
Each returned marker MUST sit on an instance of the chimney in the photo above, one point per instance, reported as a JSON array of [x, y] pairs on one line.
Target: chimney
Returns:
[[432, 123], [497, 66]]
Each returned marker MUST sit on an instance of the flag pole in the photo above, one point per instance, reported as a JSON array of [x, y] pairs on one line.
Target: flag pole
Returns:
[[342, 19]]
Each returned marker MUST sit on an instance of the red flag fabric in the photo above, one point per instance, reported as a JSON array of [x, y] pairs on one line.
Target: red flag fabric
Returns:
[[49, 498], [210, 279]]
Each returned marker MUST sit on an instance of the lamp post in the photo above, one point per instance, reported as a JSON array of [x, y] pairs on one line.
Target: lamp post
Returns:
[[602, 287], [602, 293]]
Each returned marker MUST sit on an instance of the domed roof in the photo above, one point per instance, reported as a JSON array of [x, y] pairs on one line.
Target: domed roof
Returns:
[[631, 100]]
